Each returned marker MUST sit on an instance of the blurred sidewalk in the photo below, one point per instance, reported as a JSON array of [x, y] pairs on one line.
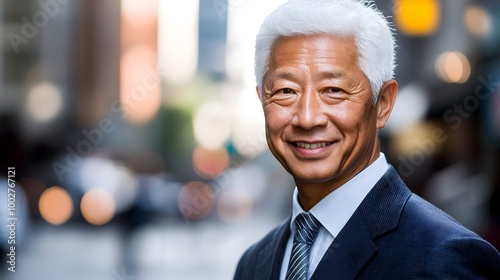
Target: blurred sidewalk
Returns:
[[166, 250]]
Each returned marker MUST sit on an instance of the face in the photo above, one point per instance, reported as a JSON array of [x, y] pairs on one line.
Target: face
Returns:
[[321, 123]]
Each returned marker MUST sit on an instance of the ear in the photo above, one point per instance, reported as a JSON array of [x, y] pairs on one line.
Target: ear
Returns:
[[259, 94], [385, 102]]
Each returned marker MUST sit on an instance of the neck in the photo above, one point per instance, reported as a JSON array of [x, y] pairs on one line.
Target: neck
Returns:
[[310, 193]]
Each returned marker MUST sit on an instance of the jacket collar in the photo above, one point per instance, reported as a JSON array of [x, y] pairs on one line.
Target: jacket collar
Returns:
[[354, 246], [271, 257]]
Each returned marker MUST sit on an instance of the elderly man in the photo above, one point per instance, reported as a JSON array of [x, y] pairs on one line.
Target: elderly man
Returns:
[[324, 73]]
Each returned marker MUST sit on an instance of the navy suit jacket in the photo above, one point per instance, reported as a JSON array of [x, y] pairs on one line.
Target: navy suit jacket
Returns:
[[393, 234]]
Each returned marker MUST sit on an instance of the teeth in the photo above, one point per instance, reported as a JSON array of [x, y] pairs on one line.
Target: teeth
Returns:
[[311, 146]]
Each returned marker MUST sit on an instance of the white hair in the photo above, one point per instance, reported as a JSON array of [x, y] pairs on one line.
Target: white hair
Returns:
[[372, 33]]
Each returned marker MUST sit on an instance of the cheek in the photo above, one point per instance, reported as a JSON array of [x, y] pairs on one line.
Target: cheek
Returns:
[[276, 118], [352, 119], [346, 117]]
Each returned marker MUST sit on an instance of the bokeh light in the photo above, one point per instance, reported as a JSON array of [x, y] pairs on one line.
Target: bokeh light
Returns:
[[417, 17], [244, 22], [139, 84], [411, 106], [418, 139], [139, 13], [250, 178], [112, 177], [453, 67], [178, 22], [477, 20], [44, 102], [100, 171], [97, 207], [212, 125], [210, 163], [55, 205], [249, 131], [234, 205], [196, 200]]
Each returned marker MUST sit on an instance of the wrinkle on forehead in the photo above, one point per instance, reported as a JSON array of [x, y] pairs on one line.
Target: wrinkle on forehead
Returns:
[[317, 60], [311, 49]]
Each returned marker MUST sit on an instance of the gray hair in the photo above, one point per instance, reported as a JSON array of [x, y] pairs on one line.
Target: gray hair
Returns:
[[372, 34]]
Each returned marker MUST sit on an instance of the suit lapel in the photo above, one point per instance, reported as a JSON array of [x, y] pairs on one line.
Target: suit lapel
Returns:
[[354, 246], [348, 253], [271, 257]]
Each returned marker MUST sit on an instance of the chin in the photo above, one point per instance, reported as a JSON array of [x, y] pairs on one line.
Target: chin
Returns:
[[312, 177]]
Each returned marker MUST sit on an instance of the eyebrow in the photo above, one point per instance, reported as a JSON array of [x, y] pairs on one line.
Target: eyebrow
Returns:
[[331, 75]]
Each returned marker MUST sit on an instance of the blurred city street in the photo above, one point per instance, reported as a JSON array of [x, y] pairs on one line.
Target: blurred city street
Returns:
[[163, 250]]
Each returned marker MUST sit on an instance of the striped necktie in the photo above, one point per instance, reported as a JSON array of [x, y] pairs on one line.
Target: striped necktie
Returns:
[[306, 229]]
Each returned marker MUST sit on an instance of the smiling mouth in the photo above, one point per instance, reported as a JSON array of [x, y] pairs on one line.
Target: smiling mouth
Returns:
[[311, 146]]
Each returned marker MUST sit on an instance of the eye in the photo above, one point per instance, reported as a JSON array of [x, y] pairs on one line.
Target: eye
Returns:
[[285, 91], [332, 90]]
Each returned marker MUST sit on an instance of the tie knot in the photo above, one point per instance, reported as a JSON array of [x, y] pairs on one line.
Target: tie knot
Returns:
[[306, 228]]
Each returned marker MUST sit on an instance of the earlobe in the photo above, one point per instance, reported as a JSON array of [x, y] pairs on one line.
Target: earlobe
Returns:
[[385, 102]]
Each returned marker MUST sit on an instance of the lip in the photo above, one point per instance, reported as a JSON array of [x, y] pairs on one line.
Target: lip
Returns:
[[311, 149]]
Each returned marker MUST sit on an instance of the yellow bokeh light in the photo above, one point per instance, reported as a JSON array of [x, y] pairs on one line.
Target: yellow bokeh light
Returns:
[[417, 17], [410, 141], [55, 205], [97, 207], [453, 67]]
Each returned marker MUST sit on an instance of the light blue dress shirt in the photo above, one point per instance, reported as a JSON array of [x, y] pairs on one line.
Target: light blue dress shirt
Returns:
[[334, 211]]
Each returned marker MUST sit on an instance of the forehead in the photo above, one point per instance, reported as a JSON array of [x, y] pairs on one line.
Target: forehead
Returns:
[[314, 49]]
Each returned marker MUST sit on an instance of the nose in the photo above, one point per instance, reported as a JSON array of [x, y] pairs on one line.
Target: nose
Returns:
[[309, 111]]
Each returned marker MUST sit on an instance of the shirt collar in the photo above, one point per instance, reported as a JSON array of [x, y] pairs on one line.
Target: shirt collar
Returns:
[[342, 202]]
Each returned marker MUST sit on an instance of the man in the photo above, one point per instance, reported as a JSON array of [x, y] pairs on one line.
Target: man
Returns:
[[324, 73]]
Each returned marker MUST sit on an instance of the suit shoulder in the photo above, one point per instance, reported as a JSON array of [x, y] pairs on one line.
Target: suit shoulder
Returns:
[[443, 245], [426, 217], [477, 259]]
